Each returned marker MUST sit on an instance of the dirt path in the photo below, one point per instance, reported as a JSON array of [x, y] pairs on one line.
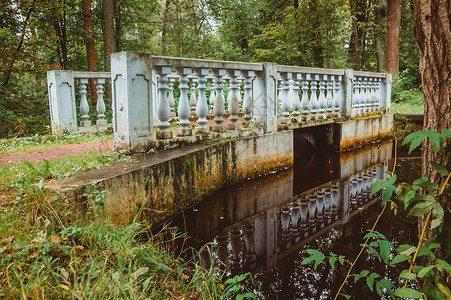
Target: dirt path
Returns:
[[57, 152]]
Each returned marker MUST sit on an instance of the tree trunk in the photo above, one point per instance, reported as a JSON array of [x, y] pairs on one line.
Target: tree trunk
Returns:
[[317, 47], [109, 44], [164, 27], [358, 8], [433, 35], [90, 46], [380, 35], [394, 22]]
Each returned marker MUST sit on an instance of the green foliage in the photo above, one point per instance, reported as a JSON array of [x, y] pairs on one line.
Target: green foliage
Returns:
[[425, 195]]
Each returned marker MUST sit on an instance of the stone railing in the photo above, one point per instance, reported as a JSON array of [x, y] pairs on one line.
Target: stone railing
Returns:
[[214, 98], [63, 105]]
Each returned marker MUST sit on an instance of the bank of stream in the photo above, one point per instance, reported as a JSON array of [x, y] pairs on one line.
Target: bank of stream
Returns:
[[264, 225]]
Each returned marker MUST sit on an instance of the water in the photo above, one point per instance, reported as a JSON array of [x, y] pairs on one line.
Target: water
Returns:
[[264, 225]]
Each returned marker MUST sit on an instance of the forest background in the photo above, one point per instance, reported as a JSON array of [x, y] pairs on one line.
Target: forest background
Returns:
[[41, 35]]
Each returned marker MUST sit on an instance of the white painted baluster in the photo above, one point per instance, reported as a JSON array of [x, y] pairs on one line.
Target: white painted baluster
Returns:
[[322, 97], [171, 99], [285, 222], [192, 97], [335, 202], [235, 243], [304, 215], [233, 101], [184, 106], [329, 98], [375, 99], [365, 96], [249, 242], [295, 214], [327, 205], [163, 107], [320, 207], [356, 97], [101, 121], [218, 107], [280, 92], [371, 89], [312, 210], [212, 98], [202, 107], [314, 98], [304, 100], [294, 96], [240, 80], [338, 101], [84, 107], [248, 103], [285, 105]]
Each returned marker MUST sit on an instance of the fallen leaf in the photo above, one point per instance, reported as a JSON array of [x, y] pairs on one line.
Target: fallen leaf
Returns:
[[7, 240], [55, 239], [2, 249]]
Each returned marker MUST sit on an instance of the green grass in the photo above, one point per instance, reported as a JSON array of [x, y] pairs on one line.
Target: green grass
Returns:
[[407, 108], [43, 142], [49, 251]]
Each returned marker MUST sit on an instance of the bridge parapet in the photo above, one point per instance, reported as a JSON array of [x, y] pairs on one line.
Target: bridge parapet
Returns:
[[187, 100]]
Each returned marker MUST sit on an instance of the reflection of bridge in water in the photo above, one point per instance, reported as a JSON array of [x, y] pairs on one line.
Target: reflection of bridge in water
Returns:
[[252, 225]]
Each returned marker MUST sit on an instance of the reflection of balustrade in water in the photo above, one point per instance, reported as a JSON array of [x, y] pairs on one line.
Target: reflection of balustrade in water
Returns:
[[298, 222]]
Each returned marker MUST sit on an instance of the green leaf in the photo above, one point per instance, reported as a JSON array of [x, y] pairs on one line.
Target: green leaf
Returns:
[[370, 280], [419, 180], [425, 271], [435, 223], [438, 211], [430, 186], [380, 184], [406, 249], [246, 295], [375, 234], [407, 275], [387, 194], [344, 295], [341, 259], [400, 258], [443, 264], [408, 197], [332, 262], [384, 284], [384, 250], [447, 132], [421, 209], [316, 256], [408, 293], [439, 168]]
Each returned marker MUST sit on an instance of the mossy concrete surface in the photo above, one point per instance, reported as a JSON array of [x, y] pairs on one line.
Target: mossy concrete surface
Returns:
[[161, 184], [358, 132]]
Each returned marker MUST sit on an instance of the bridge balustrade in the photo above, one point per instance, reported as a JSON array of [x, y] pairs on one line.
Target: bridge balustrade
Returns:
[[180, 98]]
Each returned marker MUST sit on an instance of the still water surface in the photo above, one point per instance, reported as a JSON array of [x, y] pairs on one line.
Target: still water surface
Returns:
[[264, 225]]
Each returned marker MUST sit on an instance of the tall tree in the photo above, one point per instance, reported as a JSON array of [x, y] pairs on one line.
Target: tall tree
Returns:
[[433, 35], [358, 11], [90, 45], [394, 22], [109, 43], [380, 34]]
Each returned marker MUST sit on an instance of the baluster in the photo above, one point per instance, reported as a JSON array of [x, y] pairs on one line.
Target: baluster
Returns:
[[335, 202], [322, 98], [248, 103], [205, 258], [212, 98], [304, 214], [101, 121], [312, 210], [329, 98], [320, 207], [279, 92], [84, 107], [218, 106], [184, 106], [295, 101], [163, 107], [375, 98], [192, 97], [327, 205], [223, 252], [235, 242], [285, 221], [249, 242], [201, 106], [295, 213], [239, 83], [314, 98], [355, 98], [338, 104], [366, 95], [305, 101], [285, 105], [233, 101], [171, 99]]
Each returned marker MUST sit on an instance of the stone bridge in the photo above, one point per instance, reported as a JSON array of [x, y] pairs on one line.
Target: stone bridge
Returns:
[[227, 120]]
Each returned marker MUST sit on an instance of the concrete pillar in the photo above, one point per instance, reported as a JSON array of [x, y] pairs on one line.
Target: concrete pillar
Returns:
[[348, 91], [386, 98], [265, 95], [131, 79], [61, 93]]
